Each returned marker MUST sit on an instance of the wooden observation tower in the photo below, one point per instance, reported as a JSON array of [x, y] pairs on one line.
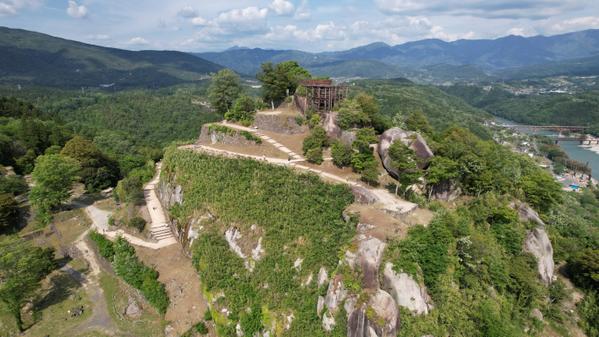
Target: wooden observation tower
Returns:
[[323, 95]]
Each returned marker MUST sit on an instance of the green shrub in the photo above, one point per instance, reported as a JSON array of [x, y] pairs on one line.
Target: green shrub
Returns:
[[105, 246], [341, 154], [138, 223], [251, 137], [207, 315], [134, 272], [314, 155], [243, 110], [201, 328]]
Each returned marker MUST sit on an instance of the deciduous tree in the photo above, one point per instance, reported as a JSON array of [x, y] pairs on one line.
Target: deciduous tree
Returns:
[[22, 267], [224, 90]]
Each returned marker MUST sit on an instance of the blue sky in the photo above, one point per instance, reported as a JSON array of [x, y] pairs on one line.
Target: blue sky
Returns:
[[309, 25]]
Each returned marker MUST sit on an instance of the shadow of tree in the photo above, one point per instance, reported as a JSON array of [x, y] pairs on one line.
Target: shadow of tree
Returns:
[[63, 285]]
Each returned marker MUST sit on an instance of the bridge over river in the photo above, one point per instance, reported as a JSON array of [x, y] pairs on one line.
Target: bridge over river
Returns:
[[563, 132]]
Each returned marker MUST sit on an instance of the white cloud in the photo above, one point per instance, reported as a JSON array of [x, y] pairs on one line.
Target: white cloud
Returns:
[[245, 15], [585, 22], [302, 12], [199, 21], [188, 12], [12, 7], [282, 7], [508, 9], [75, 10], [138, 41], [322, 31]]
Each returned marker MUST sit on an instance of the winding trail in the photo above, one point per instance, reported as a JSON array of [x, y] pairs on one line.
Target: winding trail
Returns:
[[159, 228]]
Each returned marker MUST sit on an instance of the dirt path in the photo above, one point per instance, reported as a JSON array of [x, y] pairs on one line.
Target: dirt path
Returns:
[[100, 318]]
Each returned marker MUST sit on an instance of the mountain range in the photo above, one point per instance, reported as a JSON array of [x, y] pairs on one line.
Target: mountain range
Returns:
[[419, 58], [33, 58]]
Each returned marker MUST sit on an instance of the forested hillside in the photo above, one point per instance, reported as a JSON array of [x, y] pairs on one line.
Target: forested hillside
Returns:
[[34, 58], [402, 97], [564, 109]]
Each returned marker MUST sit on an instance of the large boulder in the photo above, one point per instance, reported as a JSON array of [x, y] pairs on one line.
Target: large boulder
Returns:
[[369, 257], [526, 213], [406, 291], [330, 125], [383, 320], [537, 243], [411, 139], [446, 191], [364, 195]]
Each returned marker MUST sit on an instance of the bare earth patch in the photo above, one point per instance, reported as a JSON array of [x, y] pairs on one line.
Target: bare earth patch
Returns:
[[264, 149], [187, 305]]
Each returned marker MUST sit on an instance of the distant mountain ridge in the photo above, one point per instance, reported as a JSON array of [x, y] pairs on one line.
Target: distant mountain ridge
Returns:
[[486, 55], [34, 58]]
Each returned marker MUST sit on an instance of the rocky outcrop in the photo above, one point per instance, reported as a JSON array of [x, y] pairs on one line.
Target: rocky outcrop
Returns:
[[215, 133], [526, 213], [537, 243], [410, 139], [330, 125], [369, 257], [278, 122], [363, 195], [348, 137], [378, 318], [406, 291], [446, 191], [378, 315]]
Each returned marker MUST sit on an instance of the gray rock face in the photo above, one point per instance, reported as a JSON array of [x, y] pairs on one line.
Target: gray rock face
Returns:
[[526, 213], [369, 257], [348, 137], [133, 310], [336, 294], [537, 243], [364, 195], [386, 310], [406, 291], [410, 139], [276, 122], [212, 137], [330, 125], [446, 191]]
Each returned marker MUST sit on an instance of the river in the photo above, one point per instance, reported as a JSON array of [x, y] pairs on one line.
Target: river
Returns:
[[572, 148]]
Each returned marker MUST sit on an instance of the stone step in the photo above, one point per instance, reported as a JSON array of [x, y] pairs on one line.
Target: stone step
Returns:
[[162, 231], [162, 236]]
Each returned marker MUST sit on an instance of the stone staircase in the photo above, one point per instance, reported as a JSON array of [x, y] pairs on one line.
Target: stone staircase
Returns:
[[161, 232]]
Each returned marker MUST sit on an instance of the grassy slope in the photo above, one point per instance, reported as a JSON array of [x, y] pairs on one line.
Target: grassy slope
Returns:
[[301, 218]]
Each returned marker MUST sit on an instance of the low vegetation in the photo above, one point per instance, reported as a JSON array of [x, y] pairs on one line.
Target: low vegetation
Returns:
[[134, 272], [300, 216]]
